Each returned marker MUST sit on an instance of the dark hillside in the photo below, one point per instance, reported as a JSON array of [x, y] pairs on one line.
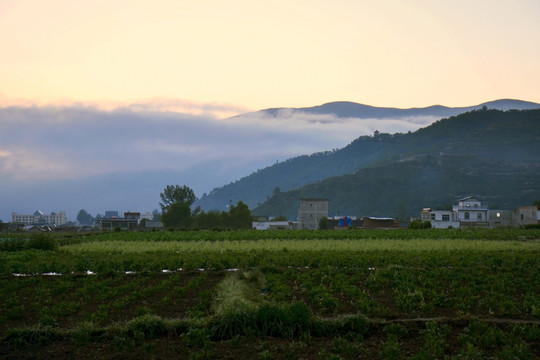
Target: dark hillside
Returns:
[[402, 189], [483, 135]]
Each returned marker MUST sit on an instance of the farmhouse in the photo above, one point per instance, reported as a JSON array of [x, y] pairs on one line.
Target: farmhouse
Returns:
[[471, 213], [130, 221], [440, 219]]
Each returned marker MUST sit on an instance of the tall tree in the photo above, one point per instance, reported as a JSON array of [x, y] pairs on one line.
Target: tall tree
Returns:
[[84, 218], [176, 194], [178, 215], [240, 216], [211, 220]]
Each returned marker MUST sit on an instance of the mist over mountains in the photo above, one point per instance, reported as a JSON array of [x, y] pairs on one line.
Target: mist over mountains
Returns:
[[490, 154], [346, 109], [69, 158], [366, 151]]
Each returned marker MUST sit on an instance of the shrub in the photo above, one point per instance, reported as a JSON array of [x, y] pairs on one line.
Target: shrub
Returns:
[[356, 324], [233, 324], [42, 242], [323, 223], [39, 335], [13, 244], [395, 329], [151, 326], [271, 321], [87, 331], [419, 224], [300, 318]]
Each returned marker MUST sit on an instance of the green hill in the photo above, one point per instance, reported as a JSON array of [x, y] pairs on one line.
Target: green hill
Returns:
[[492, 154], [403, 189]]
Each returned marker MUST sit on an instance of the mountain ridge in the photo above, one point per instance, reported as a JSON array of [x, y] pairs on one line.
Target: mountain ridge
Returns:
[[491, 154], [362, 111], [257, 187]]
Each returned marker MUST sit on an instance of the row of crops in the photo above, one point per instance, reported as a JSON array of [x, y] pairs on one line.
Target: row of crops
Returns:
[[349, 234], [223, 295]]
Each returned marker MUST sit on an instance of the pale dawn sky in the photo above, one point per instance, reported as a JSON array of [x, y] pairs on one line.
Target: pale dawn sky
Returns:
[[228, 57]]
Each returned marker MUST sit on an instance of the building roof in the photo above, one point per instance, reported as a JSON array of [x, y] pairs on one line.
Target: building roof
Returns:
[[380, 218]]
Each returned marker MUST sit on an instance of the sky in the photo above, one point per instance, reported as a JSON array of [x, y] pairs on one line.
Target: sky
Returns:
[[145, 92], [252, 55]]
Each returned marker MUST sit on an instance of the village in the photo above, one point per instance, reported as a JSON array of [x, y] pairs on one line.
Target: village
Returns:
[[312, 214]]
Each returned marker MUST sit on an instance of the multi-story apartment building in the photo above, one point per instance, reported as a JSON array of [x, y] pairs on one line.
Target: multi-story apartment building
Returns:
[[39, 217]]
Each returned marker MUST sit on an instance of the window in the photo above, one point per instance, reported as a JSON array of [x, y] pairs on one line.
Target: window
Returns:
[[479, 216], [498, 214], [432, 216], [467, 216], [446, 217]]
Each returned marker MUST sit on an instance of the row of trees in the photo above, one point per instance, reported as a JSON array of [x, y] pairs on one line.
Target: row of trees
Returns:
[[176, 202]]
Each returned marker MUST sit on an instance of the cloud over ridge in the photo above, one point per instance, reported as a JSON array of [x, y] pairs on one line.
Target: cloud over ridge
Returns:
[[43, 144]]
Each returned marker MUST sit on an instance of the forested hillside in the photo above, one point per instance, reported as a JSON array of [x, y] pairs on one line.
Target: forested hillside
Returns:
[[439, 162], [402, 189]]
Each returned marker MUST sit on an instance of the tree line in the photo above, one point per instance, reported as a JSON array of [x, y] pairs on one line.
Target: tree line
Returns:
[[176, 202], [177, 213]]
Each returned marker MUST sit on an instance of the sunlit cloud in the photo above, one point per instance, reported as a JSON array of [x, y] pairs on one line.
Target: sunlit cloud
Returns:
[[207, 109]]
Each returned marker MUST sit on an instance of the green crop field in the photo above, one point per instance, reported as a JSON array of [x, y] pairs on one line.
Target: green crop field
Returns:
[[368, 294]]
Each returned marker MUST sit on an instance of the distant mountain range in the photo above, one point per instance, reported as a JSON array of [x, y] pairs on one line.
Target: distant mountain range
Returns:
[[346, 109], [491, 151]]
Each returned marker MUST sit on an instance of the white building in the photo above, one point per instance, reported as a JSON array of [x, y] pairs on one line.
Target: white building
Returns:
[[443, 219], [470, 212], [40, 218]]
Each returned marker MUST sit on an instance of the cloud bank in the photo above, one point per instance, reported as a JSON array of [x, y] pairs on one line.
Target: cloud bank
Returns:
[[133, 151]]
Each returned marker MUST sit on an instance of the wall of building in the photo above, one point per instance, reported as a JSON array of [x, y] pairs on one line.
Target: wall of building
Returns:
[[499, 218], [310, 211], [443, 219], [525, 215]]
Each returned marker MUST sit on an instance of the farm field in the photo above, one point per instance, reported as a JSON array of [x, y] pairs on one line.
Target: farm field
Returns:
[[368, 294]]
